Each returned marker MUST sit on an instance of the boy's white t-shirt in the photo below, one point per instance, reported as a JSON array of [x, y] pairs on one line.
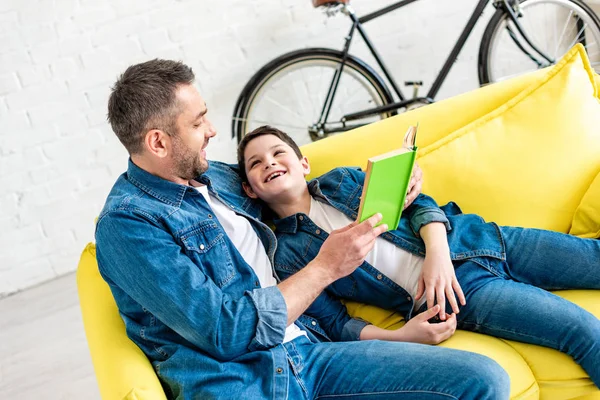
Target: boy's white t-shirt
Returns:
[[399, 265], [250, 247]]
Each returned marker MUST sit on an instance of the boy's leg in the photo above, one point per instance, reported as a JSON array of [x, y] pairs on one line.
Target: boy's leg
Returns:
[[501, 307], [552, 260], [391, 370]]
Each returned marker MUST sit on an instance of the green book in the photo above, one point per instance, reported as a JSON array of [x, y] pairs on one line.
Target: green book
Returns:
[[386, 182]]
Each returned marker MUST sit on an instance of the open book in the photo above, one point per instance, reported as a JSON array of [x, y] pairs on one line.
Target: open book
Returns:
[[386, 182]]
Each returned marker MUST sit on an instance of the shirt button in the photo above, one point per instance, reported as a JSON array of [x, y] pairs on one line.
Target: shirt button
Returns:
[[201, 247], [379, 277], [301, 218], [257, 283], [279, 370], [209, 215], [313, 323], [318, 231], [409, 298]]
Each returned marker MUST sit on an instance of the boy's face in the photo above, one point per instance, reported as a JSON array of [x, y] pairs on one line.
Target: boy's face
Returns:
[[275, 174]]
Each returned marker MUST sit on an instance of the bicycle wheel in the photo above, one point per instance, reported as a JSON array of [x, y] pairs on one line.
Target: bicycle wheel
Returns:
[[290, 92], [554, 26]]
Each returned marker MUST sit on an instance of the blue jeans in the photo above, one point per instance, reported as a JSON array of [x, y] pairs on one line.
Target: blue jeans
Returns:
[[511, 299], [390, 370]]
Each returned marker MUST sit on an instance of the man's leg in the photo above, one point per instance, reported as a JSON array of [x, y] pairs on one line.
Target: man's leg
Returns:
[[551, 260], [501, 307], [392, 370]]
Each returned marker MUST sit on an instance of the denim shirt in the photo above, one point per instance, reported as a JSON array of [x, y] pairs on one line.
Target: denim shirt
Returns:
[[299, 240], [186, 295]]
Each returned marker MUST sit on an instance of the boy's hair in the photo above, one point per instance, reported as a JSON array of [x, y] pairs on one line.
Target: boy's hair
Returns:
[[261, 131], [144, 98]]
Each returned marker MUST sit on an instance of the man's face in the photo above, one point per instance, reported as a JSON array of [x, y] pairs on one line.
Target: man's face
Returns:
[[274, 172], [194, 131]]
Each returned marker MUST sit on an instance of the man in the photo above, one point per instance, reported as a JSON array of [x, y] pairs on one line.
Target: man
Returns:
[[190, 266]]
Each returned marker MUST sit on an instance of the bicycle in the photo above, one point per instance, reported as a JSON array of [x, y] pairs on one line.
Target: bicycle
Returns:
[[289, 93]]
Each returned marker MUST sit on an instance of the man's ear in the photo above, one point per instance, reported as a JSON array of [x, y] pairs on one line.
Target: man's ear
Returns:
[[305, 165], [248, 189], [158, 143]]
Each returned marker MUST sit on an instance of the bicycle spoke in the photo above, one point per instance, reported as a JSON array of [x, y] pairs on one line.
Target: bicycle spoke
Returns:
[[563, 32], [281, 106], [577, 37]]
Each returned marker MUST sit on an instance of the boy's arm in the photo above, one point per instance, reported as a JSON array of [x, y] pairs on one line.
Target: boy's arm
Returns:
[[438, 279], [416, 330]]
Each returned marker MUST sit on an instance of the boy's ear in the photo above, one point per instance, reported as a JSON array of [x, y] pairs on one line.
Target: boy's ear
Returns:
[[248, 189], [305, 165]]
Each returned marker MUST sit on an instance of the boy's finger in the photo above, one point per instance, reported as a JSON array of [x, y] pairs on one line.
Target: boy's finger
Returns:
[[429, 313], [459, 292]]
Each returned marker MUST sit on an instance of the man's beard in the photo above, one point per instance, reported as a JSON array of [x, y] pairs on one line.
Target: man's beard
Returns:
[[188, 164]]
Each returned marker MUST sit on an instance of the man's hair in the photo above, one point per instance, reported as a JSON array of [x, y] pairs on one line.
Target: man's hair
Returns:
[[261, 131], [143, 98]]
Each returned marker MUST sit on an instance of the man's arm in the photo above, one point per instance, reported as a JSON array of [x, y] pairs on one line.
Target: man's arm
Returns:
[[342, 252], [143, 260]]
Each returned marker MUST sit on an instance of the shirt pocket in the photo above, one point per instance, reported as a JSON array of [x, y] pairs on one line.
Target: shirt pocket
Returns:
[[205, 243]]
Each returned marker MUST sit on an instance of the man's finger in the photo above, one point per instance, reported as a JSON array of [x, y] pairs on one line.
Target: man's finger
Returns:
[[368, 224], [347, 227]]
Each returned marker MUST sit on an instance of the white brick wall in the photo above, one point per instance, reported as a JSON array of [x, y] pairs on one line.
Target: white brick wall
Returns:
[[58, 58]]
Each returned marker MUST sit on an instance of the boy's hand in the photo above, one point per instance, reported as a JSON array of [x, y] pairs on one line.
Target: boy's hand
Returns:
[[420, 330], [345, 249], [438, 282], [415, 185]]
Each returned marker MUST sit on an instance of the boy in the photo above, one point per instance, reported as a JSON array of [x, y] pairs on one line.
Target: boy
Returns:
[[434, 253]]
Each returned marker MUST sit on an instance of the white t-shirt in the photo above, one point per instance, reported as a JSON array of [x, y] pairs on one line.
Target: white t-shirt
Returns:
[[397, 264], [246, 240]]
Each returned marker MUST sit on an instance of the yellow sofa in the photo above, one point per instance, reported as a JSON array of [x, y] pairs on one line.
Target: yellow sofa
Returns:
[[123, 372]]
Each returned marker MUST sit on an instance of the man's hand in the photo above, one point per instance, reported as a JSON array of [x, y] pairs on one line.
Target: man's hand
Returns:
[[438, 282], [414, 186], [345, 249]]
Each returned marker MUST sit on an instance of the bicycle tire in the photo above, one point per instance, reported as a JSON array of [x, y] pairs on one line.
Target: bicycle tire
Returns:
[[270, 72], [485, 64]]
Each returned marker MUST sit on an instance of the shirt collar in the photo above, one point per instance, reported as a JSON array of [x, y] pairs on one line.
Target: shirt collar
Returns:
[[166, 191]]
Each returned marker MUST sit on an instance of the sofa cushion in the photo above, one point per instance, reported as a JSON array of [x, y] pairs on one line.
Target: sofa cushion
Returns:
[[530, 161], [522, 381], [550, 366], [586, 221]]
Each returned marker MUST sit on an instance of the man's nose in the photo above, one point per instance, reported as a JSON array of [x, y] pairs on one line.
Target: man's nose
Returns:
[[211, 129]]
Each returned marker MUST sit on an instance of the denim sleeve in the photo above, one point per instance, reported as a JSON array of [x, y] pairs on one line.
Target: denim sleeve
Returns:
[[334, 319], [424, 210], [326, 308], [143, 260]]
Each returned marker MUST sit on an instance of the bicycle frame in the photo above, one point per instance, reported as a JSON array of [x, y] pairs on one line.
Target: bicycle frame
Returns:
[[511, 7]]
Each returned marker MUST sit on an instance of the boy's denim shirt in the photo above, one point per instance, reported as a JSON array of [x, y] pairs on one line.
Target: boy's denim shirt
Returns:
[[299, 241], [186, 295]]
